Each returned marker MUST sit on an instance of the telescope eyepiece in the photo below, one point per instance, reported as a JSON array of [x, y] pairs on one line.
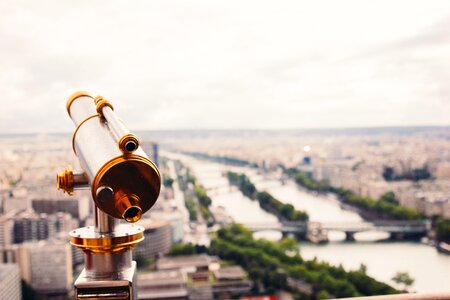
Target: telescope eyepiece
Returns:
[[131, 146], [128, 206], [132, 214]]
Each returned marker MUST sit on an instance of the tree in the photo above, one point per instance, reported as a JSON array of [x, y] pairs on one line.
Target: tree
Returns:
[[443, 229], [323, 295], [266, 200], [143, 262], [167, 181], [290, 245], [362, 268], [389, 197], [269, 265], [403, 278], [187, 249]]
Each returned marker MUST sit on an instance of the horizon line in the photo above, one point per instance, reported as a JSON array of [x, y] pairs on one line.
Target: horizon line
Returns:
[[387, 127]]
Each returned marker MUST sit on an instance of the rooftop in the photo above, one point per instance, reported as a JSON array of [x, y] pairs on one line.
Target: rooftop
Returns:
[[149, 224], [229, 273], [178, 262], [162, 285], [172, 277]]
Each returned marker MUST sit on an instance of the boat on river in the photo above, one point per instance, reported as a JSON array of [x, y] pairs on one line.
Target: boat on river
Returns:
[[443, 248]]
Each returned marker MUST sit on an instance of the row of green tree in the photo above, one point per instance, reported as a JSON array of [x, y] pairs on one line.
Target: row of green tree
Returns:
[[266, 201], [186, 180], [204, 202], [387, 207], [270, 265], [191, 207]]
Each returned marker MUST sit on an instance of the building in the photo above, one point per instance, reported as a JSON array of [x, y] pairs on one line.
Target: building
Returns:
[[162, 285], [189, 263], [53, 201], [46, 276], [6, 228], [376, 188], [155, 148], [175, 218], [77, 256], [230, 280], [206, 279], [30, 226], [152, 150], [428, 197], [443, 170], [16, 200], [157, 241], [10, 283], [432, 203], [8, 254]]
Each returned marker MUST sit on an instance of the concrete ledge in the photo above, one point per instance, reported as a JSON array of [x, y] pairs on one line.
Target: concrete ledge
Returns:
[[437, 296]]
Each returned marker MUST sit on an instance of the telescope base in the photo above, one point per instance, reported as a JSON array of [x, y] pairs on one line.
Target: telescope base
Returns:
[[120, 285]]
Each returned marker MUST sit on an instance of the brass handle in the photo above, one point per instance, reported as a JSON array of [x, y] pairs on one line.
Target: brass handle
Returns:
[[68, 180]]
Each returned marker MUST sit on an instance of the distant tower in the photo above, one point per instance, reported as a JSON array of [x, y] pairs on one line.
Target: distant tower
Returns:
[[156, 154]]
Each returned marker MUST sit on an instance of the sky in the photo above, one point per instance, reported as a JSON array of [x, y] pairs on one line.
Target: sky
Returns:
[[226, 64]]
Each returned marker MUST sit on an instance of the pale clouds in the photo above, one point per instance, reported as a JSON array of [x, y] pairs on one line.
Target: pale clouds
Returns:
[[228, 64]]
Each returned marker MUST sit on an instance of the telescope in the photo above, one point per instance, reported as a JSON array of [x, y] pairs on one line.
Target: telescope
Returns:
[[124, 184]]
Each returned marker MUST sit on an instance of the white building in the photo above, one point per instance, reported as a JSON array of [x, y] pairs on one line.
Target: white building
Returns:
[[442, 170], [157, 241], [6, 228], [46, 266], [10, 284], [175, 218], [433, 203]]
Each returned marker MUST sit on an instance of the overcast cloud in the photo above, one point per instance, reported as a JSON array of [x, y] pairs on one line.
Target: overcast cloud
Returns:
[[228, 64]]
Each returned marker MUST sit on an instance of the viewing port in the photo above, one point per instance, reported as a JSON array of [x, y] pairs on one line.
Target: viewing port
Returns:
[[132, 214]]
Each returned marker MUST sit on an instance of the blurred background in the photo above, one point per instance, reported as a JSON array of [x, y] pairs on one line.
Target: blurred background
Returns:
[[322, 127]]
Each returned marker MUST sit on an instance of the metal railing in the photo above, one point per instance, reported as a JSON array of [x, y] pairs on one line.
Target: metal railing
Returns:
[[434, 296]]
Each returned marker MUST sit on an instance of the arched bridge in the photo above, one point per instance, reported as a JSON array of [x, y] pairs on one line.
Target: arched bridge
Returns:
[[397, 229]]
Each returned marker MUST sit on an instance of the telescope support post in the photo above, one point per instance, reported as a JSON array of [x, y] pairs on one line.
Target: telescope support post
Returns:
[[124, 184], [104, 223], [110, 272]]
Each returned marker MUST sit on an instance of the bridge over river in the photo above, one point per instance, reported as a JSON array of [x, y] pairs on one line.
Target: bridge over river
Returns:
[[396, 229]]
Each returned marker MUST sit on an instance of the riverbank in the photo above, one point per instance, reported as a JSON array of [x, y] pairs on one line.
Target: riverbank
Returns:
[[386, 207], [284, 212], [430, 269]]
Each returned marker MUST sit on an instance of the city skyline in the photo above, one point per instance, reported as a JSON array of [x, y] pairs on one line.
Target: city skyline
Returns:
[[183, 212], [211, 65]]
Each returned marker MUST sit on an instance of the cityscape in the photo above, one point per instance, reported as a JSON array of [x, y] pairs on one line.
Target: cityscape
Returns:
[[249, 150], [245, 214]]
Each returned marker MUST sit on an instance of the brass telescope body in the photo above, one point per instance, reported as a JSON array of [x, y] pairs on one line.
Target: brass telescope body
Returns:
[[124, 184]]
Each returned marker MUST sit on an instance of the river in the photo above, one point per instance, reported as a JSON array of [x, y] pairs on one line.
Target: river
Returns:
[[429, 268]]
